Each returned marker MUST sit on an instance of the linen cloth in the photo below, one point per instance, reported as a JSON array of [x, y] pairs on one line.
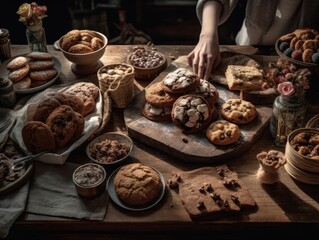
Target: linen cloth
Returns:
[[11, 207], [52, 192]]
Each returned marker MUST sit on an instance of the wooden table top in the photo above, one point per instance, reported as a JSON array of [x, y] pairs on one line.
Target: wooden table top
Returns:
[[289, 207]]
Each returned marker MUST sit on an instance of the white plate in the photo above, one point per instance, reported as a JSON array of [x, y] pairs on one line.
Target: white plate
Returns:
[[4, 73], [111, 190]]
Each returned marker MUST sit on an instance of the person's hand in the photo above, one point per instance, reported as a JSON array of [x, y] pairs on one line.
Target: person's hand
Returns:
[[205, 56]]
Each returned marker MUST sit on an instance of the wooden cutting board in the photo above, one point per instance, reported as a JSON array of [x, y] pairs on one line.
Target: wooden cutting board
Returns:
[[194, 148]]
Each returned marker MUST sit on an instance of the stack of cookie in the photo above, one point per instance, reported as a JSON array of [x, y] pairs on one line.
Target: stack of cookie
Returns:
[[184, 98], [59, 118], [81, 41], [32, 70]]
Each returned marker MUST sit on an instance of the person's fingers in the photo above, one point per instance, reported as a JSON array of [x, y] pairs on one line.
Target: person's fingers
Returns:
[[190, 58], [195, 64], [209, 66], [201, 67]]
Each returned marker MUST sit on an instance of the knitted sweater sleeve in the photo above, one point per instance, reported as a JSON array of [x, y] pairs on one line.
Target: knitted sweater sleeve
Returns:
[[227, 8]]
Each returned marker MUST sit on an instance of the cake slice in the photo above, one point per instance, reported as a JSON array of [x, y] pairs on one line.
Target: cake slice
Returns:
[[246, 78]]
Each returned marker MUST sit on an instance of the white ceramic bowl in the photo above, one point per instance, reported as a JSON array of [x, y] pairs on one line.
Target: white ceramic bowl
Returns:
[[85, 63], [106, 158]]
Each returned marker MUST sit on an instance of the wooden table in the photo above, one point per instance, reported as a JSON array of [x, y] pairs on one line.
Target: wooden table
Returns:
[[289, 208]]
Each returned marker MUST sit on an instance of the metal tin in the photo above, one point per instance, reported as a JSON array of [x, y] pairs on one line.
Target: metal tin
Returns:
[[7, 93]]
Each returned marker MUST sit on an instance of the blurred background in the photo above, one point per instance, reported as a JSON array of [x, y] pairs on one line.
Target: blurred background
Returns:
[[161, 22]]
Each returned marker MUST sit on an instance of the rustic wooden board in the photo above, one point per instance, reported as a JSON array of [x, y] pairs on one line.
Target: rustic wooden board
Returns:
[[191, 147]]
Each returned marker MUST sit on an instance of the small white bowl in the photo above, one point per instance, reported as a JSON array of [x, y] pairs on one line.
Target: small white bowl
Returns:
[[89, 180], [85, 63], [121, 138]]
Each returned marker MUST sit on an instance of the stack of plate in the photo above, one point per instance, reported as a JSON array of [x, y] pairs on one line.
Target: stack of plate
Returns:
[[303, 168]]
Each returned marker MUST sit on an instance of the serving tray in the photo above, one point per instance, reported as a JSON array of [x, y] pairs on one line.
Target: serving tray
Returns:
[[194, 148]]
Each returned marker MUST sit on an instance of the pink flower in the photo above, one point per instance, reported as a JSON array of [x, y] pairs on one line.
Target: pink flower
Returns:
[[286, 88]]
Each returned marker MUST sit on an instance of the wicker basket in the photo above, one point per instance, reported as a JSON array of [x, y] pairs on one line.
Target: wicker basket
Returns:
[[119, 88]]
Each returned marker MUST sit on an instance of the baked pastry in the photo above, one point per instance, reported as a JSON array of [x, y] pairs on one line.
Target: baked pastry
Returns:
[[81, 41], [208, 192], [137, 185], [191, 113], [208, 91], [43, 75], [88, 92], [24, 83], [248, 78], [16, 63], [222, 132], [75, 102], [38, 137], [155, 95], [181, 81], [80, 48], [157, 114], [39, 56], [47, 104], [79, 126], [63, 122], [238, 111], [36, 65], [69, 39], [18, 74]]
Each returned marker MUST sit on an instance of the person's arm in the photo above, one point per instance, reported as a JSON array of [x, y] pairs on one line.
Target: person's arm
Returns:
[[206, 55]]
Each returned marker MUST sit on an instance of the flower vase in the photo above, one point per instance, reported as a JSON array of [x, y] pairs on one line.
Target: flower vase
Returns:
[[36, 38], [288, 114]]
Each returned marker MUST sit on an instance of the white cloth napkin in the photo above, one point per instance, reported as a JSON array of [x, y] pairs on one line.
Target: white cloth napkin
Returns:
[[11, 207], [53, 193], [92, 122]]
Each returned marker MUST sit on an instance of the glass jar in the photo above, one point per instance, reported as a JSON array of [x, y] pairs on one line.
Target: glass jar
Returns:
[[36, 38], [5, 45], [288, 114], [7, 93]]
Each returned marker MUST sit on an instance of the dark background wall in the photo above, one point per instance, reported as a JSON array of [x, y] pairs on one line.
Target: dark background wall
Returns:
[[165, 21]]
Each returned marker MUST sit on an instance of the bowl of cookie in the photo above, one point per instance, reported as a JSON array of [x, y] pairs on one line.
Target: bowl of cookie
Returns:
[[83, 48], [148, 64], [301, 47], [110, 148], [302, 154]]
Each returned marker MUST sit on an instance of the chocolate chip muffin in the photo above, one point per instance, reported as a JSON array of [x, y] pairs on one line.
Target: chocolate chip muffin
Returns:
[[136, 184]]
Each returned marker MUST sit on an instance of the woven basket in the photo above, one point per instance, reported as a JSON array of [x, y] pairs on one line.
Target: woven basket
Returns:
[[120, 89]]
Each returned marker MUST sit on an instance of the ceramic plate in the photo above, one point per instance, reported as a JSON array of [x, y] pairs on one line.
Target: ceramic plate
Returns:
[[4, 73], [117, 201]]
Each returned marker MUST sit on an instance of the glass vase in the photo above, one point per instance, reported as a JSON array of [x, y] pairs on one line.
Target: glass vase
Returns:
[[36, 38], [288, 114]]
